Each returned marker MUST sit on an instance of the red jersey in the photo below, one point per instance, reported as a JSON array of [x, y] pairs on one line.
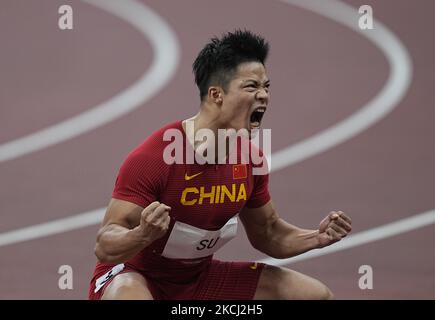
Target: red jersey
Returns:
[[202, 197]]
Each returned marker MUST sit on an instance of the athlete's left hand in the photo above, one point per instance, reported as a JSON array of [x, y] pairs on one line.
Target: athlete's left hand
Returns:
[[333, 228]]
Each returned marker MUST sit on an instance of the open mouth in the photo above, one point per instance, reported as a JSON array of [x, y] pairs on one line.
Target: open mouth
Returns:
[[256, 117]]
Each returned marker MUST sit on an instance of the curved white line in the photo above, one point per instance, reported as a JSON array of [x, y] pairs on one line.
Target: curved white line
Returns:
[[364, 237], [53, 227], [383, 103], [165, 61]]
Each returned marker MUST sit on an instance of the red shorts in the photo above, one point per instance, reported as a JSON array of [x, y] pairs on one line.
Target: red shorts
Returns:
[[219, 281]]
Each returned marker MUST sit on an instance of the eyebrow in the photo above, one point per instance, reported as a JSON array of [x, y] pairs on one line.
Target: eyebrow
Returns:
[[267, 82]]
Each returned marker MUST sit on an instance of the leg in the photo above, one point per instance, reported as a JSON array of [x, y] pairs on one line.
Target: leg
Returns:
[[127, 286], [225, 280], [285, 284]]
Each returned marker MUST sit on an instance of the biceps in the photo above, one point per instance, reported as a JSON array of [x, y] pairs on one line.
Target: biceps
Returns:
[[258, 221], [124, 213]]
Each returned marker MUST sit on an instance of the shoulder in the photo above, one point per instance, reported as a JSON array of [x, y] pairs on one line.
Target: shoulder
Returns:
[[146, 161], [255, 156], [152, 149]]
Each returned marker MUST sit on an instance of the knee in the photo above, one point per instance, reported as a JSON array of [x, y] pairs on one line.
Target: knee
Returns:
[[286, 284], [127, 286], [325, 293], [306, 289], [319, 291]]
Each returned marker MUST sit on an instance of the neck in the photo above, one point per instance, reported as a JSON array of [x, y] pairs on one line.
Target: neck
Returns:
[[206, 118]]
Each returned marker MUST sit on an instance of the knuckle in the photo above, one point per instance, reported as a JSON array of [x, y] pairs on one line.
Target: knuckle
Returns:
[[151, 224], [152, 205]]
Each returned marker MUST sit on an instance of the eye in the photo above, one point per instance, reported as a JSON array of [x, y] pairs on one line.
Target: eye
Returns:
[[251, 86]]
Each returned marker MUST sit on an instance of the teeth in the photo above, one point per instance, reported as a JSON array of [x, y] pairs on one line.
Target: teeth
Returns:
[[256, 116]]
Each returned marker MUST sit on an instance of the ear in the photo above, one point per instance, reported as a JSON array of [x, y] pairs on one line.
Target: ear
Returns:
[[215, 95]]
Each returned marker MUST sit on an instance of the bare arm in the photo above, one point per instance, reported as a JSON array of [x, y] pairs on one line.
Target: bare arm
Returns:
[[128, 228], [277, 238]]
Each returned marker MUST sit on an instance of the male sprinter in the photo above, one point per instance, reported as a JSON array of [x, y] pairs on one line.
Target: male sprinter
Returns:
[[165, 221]]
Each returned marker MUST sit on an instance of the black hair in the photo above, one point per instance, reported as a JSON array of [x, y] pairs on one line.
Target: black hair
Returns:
[[217, 62]]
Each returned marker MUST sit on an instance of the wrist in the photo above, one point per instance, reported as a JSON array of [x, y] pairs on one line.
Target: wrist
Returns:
[[313, 239], [136, 235]]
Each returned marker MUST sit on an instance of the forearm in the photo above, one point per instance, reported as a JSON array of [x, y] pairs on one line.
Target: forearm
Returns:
[[283, 240], [117, 244]]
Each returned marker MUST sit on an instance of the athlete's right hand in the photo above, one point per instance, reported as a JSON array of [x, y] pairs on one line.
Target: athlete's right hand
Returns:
[[154, 221]]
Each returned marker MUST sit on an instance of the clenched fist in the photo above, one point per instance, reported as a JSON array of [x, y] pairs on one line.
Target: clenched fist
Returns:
[[333, 228], [154, 221]]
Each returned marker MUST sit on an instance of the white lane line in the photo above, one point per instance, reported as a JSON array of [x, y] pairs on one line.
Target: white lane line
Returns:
[[385, 97], [384, 102], [364, 237], [165, 61], [53, 227]]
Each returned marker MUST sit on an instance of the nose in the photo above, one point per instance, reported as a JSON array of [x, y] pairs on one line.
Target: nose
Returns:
[[262, 95]]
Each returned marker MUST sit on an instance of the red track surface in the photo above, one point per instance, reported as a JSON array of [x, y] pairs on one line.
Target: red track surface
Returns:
[[321, 72]]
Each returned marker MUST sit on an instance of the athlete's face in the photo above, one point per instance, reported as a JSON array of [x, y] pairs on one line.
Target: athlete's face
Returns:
[[246, 98]]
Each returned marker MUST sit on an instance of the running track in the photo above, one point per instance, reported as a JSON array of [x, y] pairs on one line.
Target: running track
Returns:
[[323, 73]]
